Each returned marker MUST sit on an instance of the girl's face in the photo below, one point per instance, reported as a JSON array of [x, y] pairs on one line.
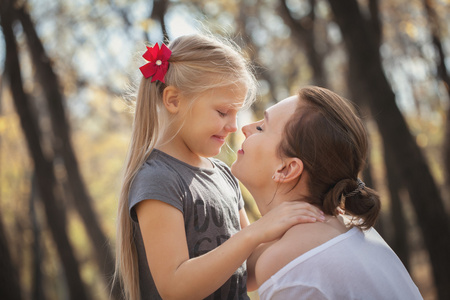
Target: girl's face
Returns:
[[258, 159], [210, 120]]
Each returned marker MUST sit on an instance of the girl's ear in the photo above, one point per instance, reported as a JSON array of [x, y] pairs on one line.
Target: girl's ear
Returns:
[[289, 170], [171, 99]]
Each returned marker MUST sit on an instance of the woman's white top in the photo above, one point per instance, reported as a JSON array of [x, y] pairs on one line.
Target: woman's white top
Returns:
[[353, 265]]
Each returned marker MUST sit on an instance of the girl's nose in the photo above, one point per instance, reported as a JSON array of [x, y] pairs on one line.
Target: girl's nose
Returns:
[[232, 126]]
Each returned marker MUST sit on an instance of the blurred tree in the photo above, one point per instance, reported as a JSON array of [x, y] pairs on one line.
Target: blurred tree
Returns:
[[305, 34], [159, 13], [397, 236], [442, 74], [91, 46], [246, 39], [8, 275], [37, 290], [397, 138], [63, 148], [399, 242], [46, 177]]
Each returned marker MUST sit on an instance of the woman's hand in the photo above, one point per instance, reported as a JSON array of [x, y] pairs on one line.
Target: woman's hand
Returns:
[[278, 220]]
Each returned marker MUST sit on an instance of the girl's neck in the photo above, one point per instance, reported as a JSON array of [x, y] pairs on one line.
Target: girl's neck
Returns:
[[191, 159]]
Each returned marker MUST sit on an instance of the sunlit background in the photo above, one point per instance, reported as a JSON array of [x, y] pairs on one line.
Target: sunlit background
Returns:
[[94, 48]]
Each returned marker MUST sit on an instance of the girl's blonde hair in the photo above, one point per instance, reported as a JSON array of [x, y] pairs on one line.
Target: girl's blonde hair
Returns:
[[198, 64]]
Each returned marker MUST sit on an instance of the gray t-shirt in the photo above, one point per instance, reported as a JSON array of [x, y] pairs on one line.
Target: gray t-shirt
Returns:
[[210, 200]]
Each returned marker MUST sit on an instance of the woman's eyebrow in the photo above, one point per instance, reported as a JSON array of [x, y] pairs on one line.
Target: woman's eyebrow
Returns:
[[266, 117]]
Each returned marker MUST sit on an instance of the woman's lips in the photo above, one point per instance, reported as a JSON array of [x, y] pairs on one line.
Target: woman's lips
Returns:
[[240, 151]]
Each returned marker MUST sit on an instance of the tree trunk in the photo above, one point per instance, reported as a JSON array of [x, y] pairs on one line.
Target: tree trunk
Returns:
[[37, 282], [304, 35], [159, 12], [82, 200], [8, 275], [363, 54], [399, 242], [44, 168], [395, 236], [443, 75]]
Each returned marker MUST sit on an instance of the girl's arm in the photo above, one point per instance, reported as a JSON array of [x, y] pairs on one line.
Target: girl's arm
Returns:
[[251, 260], [251, 279], [178, 277]]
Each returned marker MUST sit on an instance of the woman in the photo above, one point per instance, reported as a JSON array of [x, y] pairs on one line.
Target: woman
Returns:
[[311, 147]]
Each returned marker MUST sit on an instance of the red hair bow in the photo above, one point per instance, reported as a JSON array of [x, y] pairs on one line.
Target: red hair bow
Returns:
[[158, 62]]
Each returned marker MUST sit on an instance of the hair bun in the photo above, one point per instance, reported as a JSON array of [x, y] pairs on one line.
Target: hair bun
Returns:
[[363, 203], [360, 185]]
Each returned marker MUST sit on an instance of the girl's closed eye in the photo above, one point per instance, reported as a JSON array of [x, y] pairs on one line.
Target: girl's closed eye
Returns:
[[222, 114], [259, 128]]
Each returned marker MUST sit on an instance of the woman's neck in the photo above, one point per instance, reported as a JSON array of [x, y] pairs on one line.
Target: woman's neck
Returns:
[[272, 194], [269, 196]]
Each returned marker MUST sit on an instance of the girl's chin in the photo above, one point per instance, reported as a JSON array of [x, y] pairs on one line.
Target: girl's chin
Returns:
[[214, 152]]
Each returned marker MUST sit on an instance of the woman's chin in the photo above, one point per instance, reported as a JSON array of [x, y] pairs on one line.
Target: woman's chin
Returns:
[[235, 170]]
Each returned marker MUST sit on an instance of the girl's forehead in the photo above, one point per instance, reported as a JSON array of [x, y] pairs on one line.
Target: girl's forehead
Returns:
[[234, 103], [231, 96]]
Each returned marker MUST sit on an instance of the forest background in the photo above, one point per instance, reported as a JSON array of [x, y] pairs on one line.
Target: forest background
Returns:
[[66, 71]]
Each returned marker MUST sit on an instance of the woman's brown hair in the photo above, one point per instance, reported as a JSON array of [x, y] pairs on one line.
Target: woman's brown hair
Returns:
[[330, 139]]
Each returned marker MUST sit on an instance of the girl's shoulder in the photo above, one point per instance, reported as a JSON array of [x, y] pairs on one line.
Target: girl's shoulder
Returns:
[[162, 164], [156, 166], [158, 170], [217, 163], [225, 171]]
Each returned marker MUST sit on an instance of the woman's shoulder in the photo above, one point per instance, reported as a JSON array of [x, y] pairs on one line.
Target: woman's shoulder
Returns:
[[295, 242]]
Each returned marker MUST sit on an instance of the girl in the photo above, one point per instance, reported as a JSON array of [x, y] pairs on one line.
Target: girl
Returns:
[[314, 147], [180, 211]]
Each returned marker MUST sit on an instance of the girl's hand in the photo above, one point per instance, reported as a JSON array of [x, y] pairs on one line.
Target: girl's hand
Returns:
[[277, 221]]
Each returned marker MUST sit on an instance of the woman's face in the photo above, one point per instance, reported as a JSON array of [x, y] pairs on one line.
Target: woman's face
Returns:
[[258, 158]]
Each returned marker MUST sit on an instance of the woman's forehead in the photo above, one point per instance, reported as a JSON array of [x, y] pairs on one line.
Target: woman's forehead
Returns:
[[285, 106]]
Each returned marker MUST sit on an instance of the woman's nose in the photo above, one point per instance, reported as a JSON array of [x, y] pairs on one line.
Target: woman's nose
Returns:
[[246, 130]]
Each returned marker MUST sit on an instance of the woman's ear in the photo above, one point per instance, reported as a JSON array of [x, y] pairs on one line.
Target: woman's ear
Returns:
[[171, 99], [289, 170]]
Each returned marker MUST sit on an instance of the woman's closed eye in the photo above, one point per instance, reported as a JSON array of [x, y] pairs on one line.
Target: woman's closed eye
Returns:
[[259, 128]]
